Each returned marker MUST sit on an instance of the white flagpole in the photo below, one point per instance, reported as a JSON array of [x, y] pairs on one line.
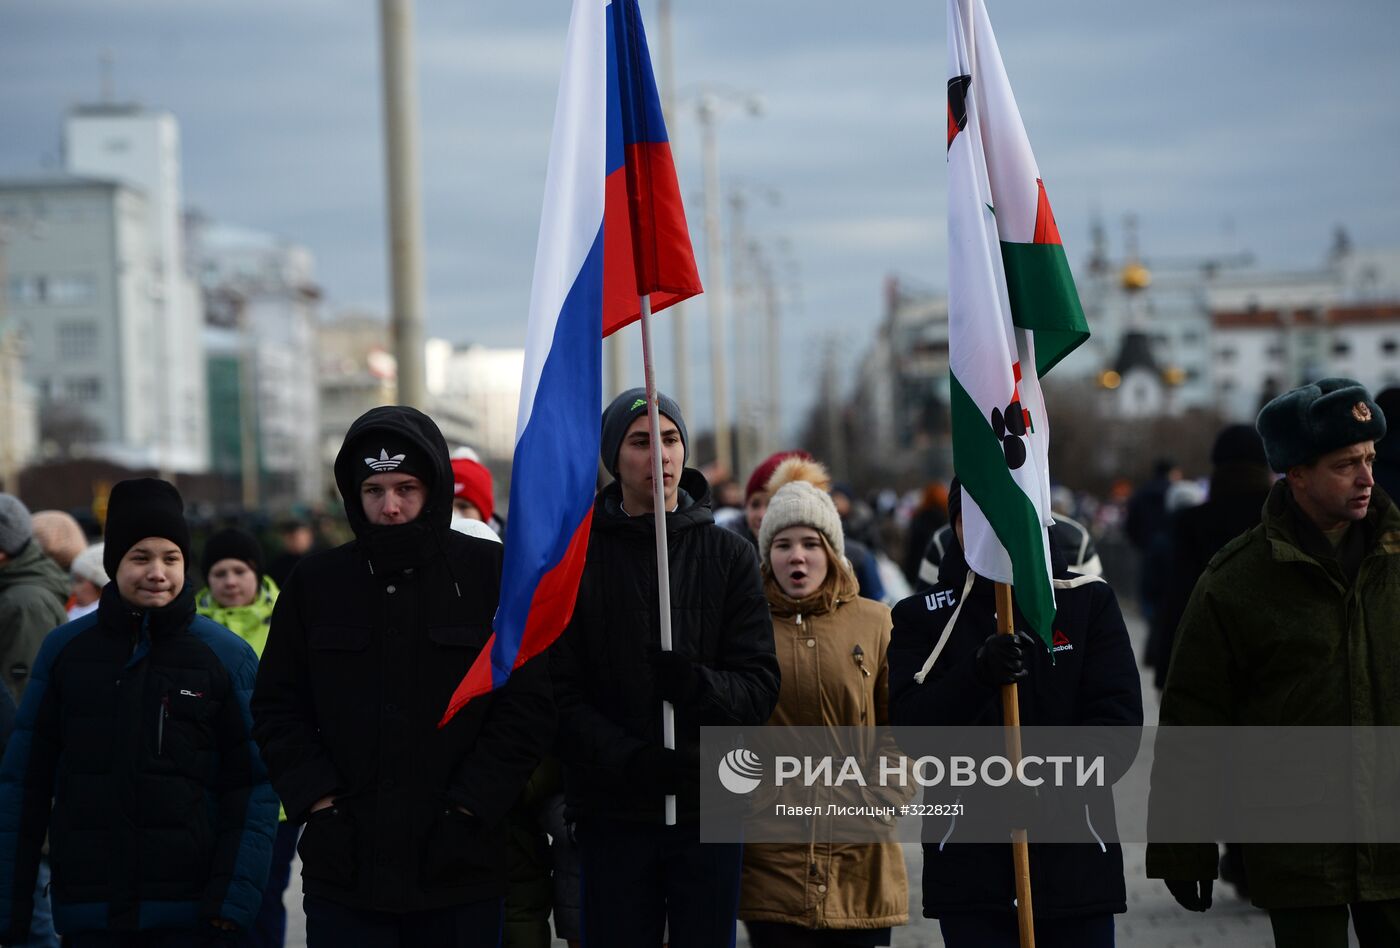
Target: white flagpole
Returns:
[[663, 559]]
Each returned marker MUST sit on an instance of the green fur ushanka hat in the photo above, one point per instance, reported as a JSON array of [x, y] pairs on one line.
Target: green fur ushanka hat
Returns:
[[1303, 424]]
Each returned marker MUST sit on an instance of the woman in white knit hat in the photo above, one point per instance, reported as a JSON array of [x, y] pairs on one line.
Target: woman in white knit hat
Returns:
[[831, 647], [88, 579]]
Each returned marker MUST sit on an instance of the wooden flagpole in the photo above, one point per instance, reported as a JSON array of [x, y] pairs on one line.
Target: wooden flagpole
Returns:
[[663, 558], [1011, 716]]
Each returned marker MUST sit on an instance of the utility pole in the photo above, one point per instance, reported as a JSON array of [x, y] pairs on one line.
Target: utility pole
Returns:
[[714, 280], [404, 197], [771, 433]]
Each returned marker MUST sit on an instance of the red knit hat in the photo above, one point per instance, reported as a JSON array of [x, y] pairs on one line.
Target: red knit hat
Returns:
[[758, 480], [471, 481]]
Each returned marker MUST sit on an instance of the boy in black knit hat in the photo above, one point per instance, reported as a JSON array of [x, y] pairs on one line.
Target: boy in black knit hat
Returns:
[[134, 736]]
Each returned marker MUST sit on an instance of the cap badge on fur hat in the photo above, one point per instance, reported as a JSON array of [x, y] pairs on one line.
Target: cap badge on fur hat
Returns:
[[384, 463], [1360, 412]]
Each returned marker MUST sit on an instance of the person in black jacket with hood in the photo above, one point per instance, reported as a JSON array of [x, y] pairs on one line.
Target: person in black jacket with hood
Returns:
[[1091, 680], [132, 751], [610, 678], [404, 841]]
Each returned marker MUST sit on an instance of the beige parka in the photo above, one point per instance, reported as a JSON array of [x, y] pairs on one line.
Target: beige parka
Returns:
[[825, 681]]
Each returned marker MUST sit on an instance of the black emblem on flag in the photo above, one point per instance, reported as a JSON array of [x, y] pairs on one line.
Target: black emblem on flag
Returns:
[[1009, 429]]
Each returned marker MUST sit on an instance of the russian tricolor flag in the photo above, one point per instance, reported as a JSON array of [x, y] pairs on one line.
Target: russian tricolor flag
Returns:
[[612, 229]]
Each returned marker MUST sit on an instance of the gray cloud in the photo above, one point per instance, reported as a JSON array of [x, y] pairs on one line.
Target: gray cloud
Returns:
[[1279, 117]]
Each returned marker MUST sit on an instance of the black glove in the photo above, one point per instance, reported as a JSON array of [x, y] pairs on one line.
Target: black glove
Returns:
[[1003, 659], [655, 769], [1192, 894], [677, 681]]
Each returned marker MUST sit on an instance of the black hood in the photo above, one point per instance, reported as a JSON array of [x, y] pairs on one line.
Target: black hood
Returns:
[[423, 433]]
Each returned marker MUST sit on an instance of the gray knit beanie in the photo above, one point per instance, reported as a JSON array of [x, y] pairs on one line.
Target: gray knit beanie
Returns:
[[799, 504], [627, 408], [16, 527]]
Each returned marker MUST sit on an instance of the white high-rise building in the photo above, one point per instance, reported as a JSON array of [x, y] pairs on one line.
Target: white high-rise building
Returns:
[[141, 150], [79, 278]]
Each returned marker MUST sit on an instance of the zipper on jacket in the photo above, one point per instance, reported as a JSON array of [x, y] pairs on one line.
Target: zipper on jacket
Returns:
[[1090, 823], [160, 723]]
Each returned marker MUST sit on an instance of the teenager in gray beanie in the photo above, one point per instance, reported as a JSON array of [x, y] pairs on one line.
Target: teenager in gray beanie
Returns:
[[611, 677], [627, 408]]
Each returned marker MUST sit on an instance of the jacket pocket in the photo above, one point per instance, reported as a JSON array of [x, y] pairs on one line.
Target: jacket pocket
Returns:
[[454, 852], [327, 848], [339, 638], [471, 635]]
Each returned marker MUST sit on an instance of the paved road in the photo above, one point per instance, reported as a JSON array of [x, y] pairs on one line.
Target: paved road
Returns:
[[1153, 919]]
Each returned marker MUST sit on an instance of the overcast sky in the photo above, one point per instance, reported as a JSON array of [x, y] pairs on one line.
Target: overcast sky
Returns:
[[1253, 125]]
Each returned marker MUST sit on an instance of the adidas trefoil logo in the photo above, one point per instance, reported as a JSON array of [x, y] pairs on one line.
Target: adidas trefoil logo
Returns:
[[384, 462]]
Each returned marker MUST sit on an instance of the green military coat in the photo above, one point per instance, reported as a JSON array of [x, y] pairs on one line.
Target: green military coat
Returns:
[[1275, 636]]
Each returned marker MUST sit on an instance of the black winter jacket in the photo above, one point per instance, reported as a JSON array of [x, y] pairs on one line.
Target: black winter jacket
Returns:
[[132, 750], [1197, 534], [368, 642], [603, 682], [1093, 681]]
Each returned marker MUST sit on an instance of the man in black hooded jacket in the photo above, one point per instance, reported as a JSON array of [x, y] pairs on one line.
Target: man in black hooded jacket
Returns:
[[1091, 680], [610, 678], [404, 842]]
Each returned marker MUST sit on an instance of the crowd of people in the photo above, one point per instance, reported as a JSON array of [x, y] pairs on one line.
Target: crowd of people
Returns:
[[171, 746]]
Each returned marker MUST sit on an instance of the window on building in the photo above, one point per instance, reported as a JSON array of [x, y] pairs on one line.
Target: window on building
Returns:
[[1274, 352], [77, 340], [83, 390], [27, 288], [1341, 348], [66, 289], [1390, 346], [1225, 355]]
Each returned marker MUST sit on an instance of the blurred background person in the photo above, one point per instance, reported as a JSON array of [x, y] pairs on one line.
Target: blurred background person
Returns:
[[240, 597], [1387, 467], [931, 514], [88, 580], [297, 538], [60, 536], [1239, 484]]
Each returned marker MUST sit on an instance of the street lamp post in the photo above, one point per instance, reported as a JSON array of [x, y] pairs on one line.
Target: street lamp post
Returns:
[[707, 112]]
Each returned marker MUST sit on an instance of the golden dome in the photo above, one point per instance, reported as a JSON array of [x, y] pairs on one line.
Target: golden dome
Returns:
[[1135, 277]]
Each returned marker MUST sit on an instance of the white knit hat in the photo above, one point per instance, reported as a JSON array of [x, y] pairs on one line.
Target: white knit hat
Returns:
[[88, 565], [800, 500]]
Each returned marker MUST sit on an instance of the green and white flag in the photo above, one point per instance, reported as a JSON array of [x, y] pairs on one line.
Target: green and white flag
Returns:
[[1013, 313]]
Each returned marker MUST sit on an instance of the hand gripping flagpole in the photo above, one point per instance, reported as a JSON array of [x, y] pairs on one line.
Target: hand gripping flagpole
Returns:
[[663, 559], [1011, 717]]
